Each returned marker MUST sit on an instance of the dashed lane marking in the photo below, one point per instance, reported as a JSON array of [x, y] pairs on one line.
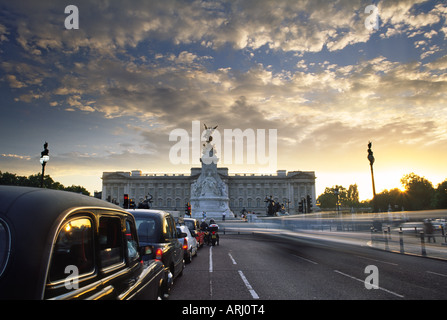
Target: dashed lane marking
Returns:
[[363, 281], [248, 285]]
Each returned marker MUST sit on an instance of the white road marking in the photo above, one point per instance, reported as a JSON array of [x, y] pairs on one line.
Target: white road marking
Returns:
[[232, 259], [305, 259], [248, 285], [211, 270], [211, 259], [363, 281], [391, 263], [438, 274]]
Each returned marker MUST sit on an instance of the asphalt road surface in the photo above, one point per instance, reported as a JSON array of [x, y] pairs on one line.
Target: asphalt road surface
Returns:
[[247, 267]]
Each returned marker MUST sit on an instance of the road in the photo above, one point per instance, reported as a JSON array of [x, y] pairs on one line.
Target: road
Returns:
[[247, 267]]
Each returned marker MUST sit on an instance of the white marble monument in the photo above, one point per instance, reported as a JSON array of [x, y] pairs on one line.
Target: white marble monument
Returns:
[[209, 194]]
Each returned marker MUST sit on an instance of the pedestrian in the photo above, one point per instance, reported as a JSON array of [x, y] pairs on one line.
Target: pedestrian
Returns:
[[428, 229], [243, 212], [204, 225], [223, 215]]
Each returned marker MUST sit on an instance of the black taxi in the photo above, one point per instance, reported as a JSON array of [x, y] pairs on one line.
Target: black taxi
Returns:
[[158, 234], [62, 245]]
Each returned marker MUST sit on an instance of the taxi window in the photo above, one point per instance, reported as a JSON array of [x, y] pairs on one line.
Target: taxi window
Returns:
[[131, 241], [4, 246], [170, 231], [73, 247], [147, 230], [190, 224], [110, 241]]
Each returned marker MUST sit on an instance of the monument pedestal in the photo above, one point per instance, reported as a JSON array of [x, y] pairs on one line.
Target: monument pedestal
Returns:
[[209, 194], [213, 207]]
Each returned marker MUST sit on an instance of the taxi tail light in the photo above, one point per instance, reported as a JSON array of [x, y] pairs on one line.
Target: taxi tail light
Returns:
[[185, 244], [158, 254]]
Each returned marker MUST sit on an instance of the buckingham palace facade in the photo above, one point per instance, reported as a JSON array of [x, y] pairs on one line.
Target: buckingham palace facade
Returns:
[[173, 191]]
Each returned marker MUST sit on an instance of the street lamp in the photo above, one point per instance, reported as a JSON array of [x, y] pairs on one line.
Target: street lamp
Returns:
[[44, 158], [371, 162]]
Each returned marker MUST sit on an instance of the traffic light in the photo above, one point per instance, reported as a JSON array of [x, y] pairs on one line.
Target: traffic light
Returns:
[[126, 201], [309, 203], [301, 206], [188, 209]]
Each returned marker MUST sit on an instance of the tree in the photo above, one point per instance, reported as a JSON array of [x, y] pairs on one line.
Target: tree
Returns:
[[441, 196], [346, 197], [393, 198], [11, 179], [419, 192], [353, 196], [77, 189], [48, 182], [7, 178], [327, 199]]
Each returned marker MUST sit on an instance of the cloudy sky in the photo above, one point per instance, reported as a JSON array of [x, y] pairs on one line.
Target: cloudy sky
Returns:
[[106, 96]]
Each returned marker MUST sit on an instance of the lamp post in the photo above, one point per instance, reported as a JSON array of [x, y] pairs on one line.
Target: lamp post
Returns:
[[371, 162], [44, 158]]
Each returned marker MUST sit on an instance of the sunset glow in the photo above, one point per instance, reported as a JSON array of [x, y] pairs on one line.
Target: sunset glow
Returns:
[[107, 96]]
